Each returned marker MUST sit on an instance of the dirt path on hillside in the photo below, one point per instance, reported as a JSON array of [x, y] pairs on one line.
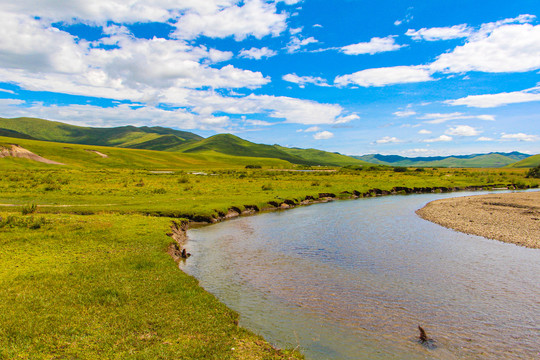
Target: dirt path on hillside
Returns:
[[509, 217]]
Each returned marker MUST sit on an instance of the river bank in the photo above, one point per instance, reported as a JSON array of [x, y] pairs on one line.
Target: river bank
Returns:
[[512, 217]]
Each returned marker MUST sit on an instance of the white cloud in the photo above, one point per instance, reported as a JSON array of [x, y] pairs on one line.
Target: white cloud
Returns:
[[404, 113], [483, 138], [323, 135], [317, 26], [442, 138], [38, 57], [520, 137], [424, 132], [462, 130], [303, 80], [375, 45], [11, 102], [101, 11], [7, 91], [388, 140], [495, 48], [347, 118], [255, 18], [257, 54], [495, 100], [440, 33], [259, 123], [385, 76], [294, 31], [296, 43], [312, 129], [438, 118]]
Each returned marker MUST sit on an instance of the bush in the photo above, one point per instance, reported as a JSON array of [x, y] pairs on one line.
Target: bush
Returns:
[[29, 209], [400, 169], [266, 187], [534, 172], [253, 167]]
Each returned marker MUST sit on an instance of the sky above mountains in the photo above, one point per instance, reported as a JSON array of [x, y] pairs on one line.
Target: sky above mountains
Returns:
[[414, 78]]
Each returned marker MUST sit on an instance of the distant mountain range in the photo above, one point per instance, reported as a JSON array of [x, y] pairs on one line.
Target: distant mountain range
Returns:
[[170, 140], [494, 160]]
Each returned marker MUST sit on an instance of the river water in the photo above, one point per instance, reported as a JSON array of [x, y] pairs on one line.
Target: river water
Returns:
[[354, 279]]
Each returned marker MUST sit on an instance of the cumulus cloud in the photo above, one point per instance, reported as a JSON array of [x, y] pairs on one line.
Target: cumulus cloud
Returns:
[[375, 45], [254, 18], [500, 99], [483, 138], [442, 138], [497, 47], [440, 33], [323, 135], [296, 43], [385, 76], [462, 130], [257, 54], [388, 140], [520, 137], [303, 80], [424, 132]]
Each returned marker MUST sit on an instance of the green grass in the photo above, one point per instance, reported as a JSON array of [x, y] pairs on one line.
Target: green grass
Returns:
[[78, 156], [120, 136], [164, 139], [529, 162], [85, 273], [102, 287]]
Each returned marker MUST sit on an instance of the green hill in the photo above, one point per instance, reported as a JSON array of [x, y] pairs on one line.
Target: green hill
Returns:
[[235, 146], [88, 157], [491, 160], [530, 162], [158, 138], [320, 157]]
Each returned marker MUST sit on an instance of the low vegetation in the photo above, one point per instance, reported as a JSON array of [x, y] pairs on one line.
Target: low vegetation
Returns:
[[85, 273]]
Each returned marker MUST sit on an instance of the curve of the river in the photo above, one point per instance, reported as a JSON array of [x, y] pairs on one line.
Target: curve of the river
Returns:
[[354, 279]]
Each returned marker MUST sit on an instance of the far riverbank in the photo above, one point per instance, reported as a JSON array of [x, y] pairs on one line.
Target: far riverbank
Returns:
[[509, 217]]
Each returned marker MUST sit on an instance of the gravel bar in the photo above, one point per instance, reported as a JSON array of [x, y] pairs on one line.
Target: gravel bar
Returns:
[[508, 217]]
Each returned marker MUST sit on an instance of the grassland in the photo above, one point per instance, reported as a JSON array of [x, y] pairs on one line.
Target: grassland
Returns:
[[85, 274]]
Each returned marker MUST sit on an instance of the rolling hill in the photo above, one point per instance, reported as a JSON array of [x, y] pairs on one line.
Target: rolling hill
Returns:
[[491, 160], [155, 138], [165, 139], [531, 161]]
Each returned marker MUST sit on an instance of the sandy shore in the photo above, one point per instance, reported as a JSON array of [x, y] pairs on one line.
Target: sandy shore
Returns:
[[509, 217]]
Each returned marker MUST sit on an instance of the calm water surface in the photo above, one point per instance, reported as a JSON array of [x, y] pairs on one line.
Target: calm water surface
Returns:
[[354, 279]]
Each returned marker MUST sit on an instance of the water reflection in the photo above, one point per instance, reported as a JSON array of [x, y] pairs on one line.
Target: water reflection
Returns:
[[354, 279]]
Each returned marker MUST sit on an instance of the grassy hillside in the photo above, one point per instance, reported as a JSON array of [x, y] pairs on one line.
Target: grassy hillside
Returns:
[[491, 160], [124, 136], [235, 146], [320, 157], [84, 156], [530, 162]]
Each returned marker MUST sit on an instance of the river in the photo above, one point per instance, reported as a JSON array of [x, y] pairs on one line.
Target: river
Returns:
[[354, 279]]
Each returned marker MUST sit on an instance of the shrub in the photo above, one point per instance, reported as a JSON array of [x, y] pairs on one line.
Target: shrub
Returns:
[[400, 169], [534, 172], [29, 209], [183, 180], [266, 187], [253, 167], [159, 191]]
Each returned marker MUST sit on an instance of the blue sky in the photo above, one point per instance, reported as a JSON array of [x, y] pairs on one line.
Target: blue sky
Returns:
[[414, 78]]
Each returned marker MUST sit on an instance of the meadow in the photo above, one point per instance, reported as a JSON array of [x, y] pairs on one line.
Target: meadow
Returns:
[[85, 273]]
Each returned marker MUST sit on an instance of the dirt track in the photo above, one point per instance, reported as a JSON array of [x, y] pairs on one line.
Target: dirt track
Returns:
[[510, 217]]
